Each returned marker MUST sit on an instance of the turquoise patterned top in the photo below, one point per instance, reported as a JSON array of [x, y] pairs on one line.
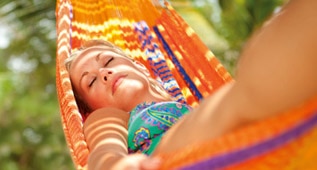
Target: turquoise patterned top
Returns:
[[148, 123]]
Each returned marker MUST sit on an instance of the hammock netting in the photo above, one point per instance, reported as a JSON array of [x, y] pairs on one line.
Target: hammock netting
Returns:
[[154, 34]]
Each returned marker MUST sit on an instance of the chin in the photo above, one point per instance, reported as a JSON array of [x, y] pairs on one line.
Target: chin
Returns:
[[131, 97]]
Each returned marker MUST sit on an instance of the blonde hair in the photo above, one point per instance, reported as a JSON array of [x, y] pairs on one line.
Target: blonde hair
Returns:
[[93, 43], [83, 107]]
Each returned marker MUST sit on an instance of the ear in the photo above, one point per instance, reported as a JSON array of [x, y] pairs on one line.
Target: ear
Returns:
[[142, 67]]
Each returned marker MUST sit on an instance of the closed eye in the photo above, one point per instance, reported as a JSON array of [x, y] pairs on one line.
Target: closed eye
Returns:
[[92, 82], [107, 63]]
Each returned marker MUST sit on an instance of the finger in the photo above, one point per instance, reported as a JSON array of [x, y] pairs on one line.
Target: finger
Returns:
[[150, 164]]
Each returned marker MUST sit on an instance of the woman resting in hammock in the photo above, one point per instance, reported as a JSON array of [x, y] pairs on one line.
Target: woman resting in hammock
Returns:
[[119, 92], [275, 74]]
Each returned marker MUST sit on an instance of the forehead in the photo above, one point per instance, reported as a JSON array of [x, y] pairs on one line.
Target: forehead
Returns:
[[91, 52], [83, 56]]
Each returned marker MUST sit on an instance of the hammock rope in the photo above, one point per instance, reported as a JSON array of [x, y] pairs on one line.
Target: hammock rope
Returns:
[[159, 38]]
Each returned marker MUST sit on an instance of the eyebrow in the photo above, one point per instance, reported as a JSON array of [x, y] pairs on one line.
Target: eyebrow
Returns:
[[98, 56]]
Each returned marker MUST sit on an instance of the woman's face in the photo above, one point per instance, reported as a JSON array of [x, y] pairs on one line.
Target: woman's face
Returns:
[[105, 78]]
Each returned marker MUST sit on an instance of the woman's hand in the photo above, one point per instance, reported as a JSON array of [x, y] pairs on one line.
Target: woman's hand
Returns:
[[136, 162]]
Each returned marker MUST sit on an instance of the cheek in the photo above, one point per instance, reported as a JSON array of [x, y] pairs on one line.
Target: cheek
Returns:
[[98, 99], [97, 102]]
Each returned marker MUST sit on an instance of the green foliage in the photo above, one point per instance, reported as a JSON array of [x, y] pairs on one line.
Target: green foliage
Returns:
[[30, 125], [30, 128], [236, 20]]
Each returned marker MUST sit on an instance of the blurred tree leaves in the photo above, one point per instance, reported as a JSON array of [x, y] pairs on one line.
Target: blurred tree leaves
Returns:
[[244, 16], [30, 127]]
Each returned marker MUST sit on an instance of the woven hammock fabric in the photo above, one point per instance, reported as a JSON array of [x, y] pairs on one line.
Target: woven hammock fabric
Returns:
[[283, 142], [159, 38]]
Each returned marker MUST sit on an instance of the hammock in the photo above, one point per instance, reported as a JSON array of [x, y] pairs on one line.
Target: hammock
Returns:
[[159, 38]]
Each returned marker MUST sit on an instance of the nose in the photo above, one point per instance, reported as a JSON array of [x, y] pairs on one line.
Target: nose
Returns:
[[104, 73]]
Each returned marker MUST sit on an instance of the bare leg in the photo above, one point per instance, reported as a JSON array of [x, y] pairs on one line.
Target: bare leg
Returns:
[[276, 72]]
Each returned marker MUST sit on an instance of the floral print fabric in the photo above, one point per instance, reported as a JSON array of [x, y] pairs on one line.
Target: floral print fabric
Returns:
[[148, 123]]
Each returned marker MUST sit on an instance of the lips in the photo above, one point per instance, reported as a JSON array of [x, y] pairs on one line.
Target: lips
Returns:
[[117, 80]]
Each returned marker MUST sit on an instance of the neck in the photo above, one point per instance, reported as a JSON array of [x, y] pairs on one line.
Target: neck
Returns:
[[152, 96]]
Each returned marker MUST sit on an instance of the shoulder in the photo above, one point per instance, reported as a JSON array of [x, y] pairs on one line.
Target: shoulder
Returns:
[[107, 115]]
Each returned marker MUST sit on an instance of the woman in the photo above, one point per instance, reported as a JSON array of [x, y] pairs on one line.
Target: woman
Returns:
[[109, 85]]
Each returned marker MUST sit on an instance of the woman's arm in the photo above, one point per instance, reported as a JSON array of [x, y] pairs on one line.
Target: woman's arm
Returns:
[[105, 131]]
